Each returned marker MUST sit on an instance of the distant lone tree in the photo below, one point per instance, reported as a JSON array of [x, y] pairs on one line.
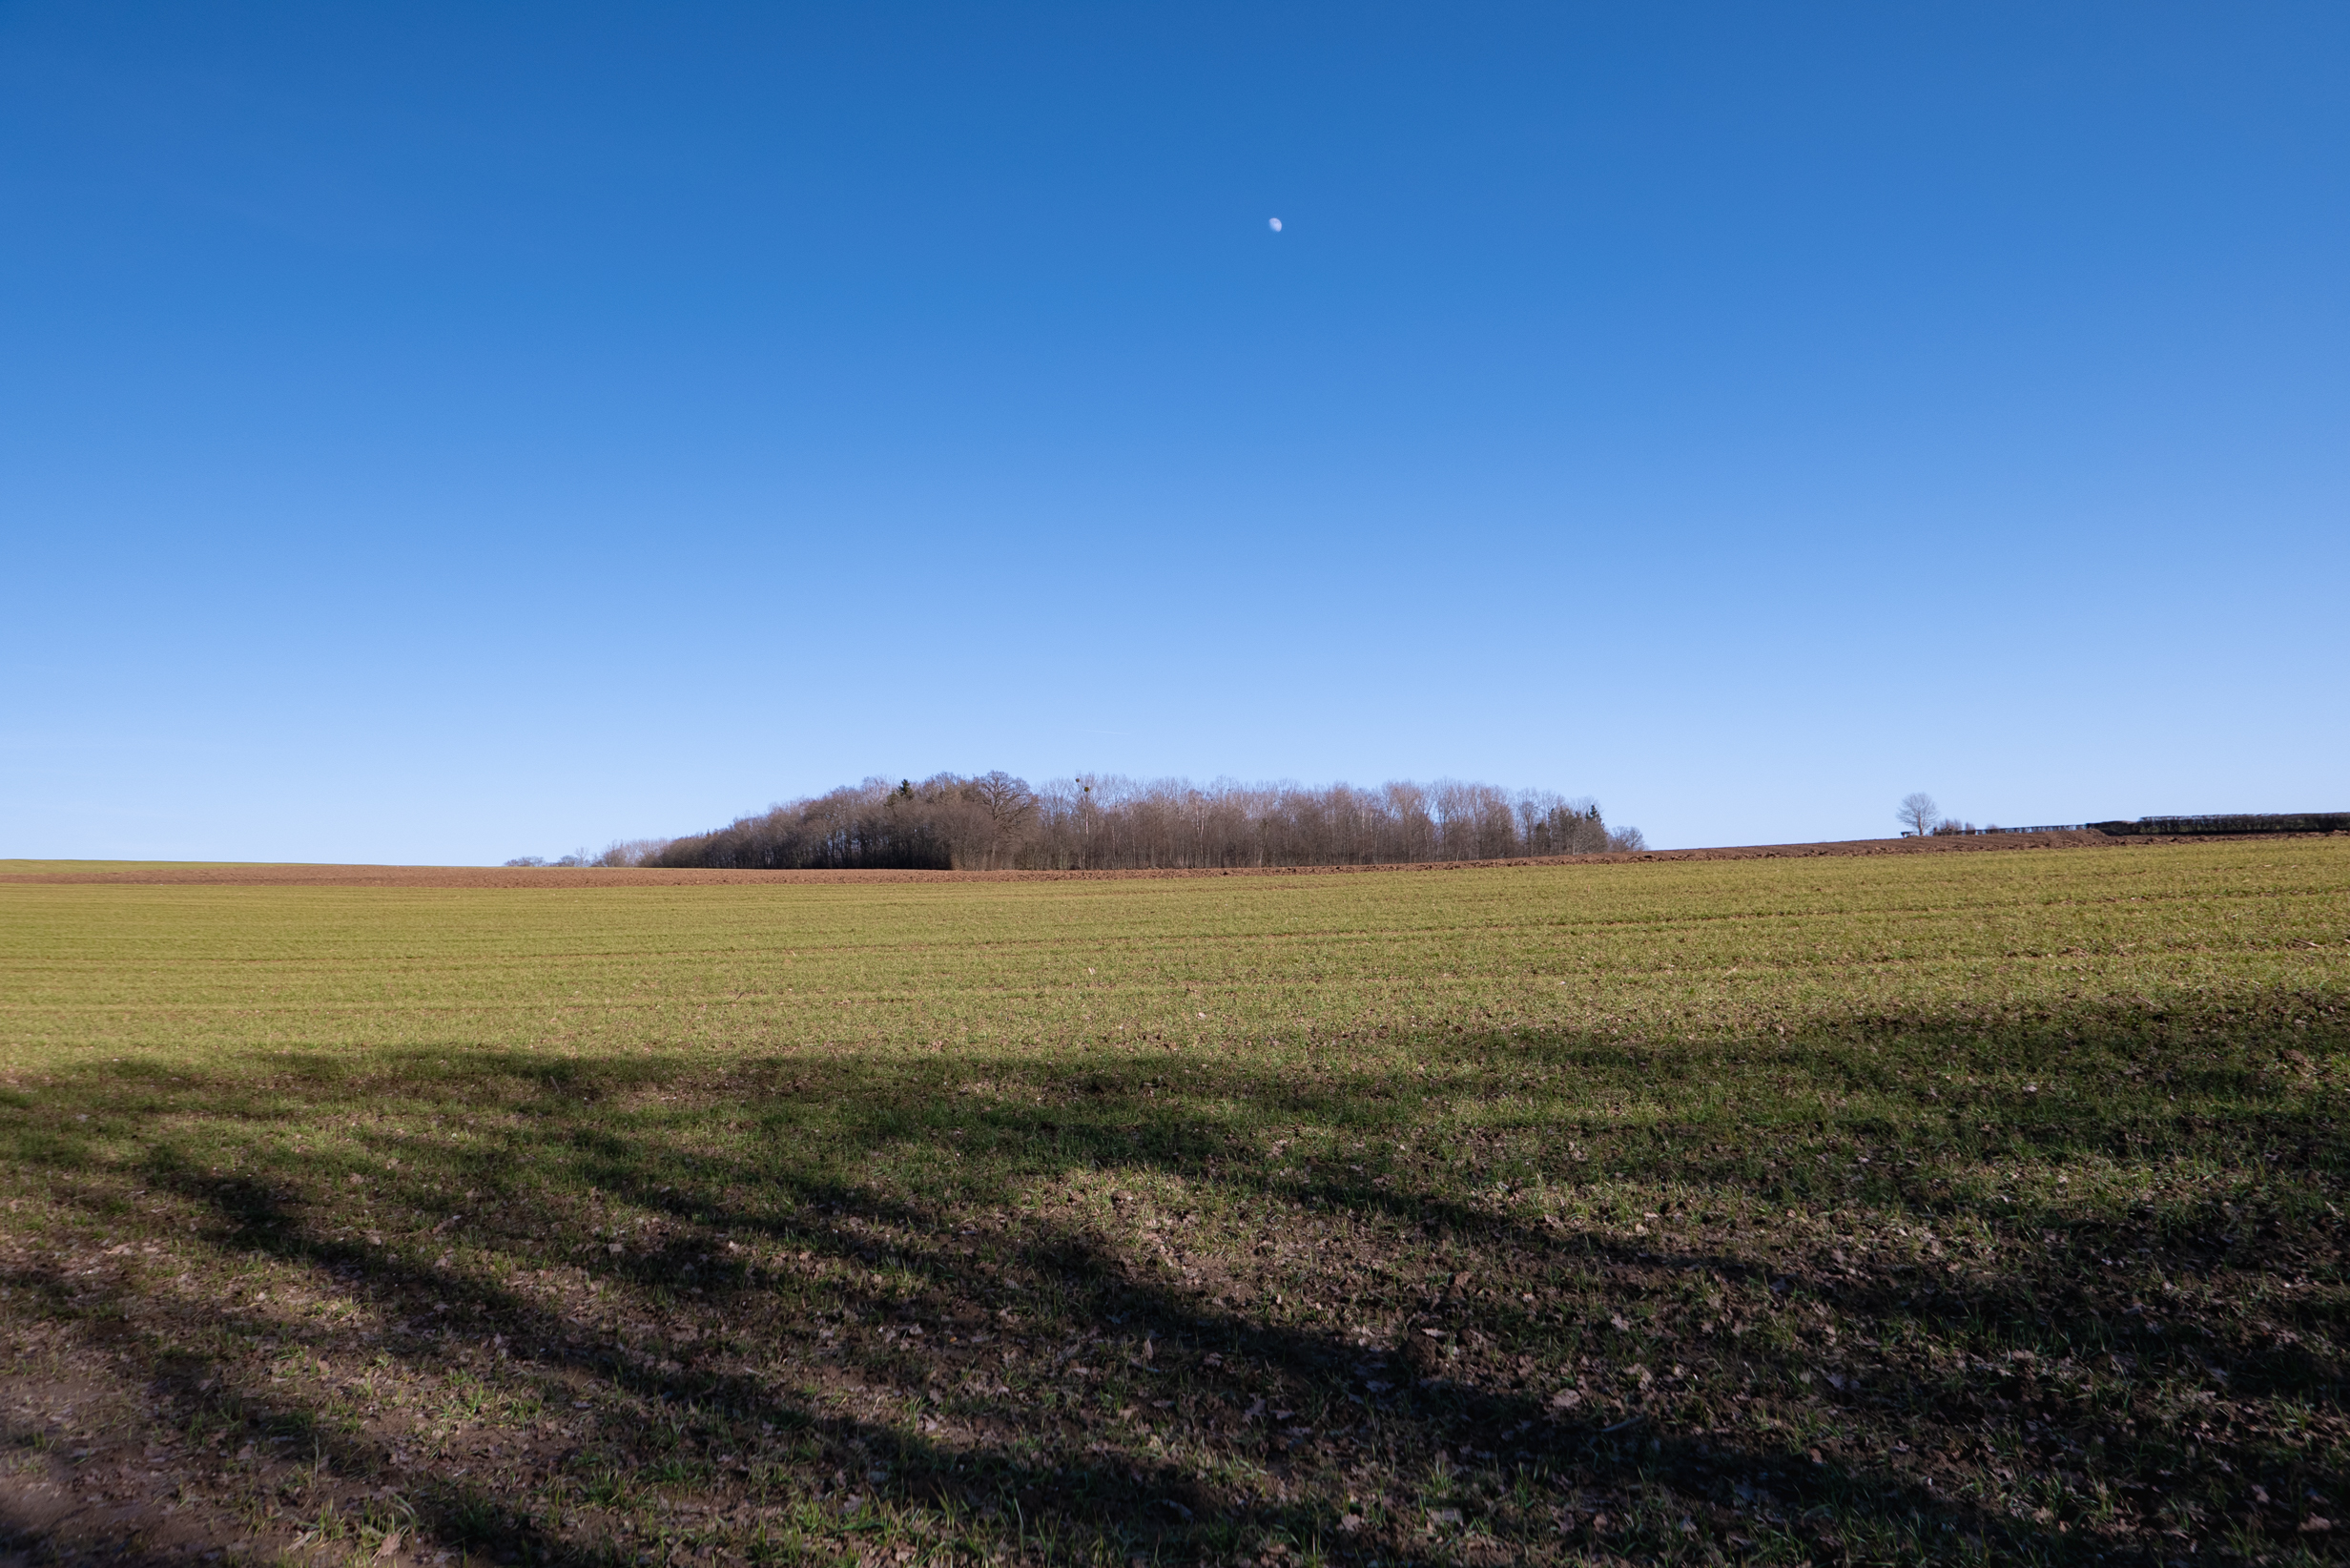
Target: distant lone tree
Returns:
[[1919, 814]]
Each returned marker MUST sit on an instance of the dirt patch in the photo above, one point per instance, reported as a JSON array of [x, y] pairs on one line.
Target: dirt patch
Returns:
[[569, 876]]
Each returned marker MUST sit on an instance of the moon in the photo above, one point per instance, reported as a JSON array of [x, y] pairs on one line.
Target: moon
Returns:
[[1273, 224]]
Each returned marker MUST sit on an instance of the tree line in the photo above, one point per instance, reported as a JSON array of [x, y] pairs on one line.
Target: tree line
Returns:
[[993, 821]]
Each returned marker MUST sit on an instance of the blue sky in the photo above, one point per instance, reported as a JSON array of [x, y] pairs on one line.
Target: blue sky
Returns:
[[440, 433]]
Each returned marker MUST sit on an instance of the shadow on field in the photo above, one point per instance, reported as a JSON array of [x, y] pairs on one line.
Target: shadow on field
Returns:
[[1911, 1290]]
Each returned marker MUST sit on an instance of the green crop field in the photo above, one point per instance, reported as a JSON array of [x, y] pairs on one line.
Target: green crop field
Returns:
[[1955, 1207]]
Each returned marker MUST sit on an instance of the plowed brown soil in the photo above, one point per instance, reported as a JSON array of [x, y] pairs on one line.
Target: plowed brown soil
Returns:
[[282, 876]]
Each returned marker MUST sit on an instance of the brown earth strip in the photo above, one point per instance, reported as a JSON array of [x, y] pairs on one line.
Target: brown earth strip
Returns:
[[569, 876]]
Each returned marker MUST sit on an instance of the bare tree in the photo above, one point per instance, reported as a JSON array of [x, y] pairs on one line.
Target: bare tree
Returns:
[[1918, 813], [1005, 805]]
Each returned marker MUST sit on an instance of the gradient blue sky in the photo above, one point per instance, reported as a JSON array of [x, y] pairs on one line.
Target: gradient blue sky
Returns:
[[437, 433]]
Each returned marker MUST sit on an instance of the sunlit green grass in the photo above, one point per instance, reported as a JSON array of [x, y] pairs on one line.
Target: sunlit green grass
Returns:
[[1873, 1208]]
